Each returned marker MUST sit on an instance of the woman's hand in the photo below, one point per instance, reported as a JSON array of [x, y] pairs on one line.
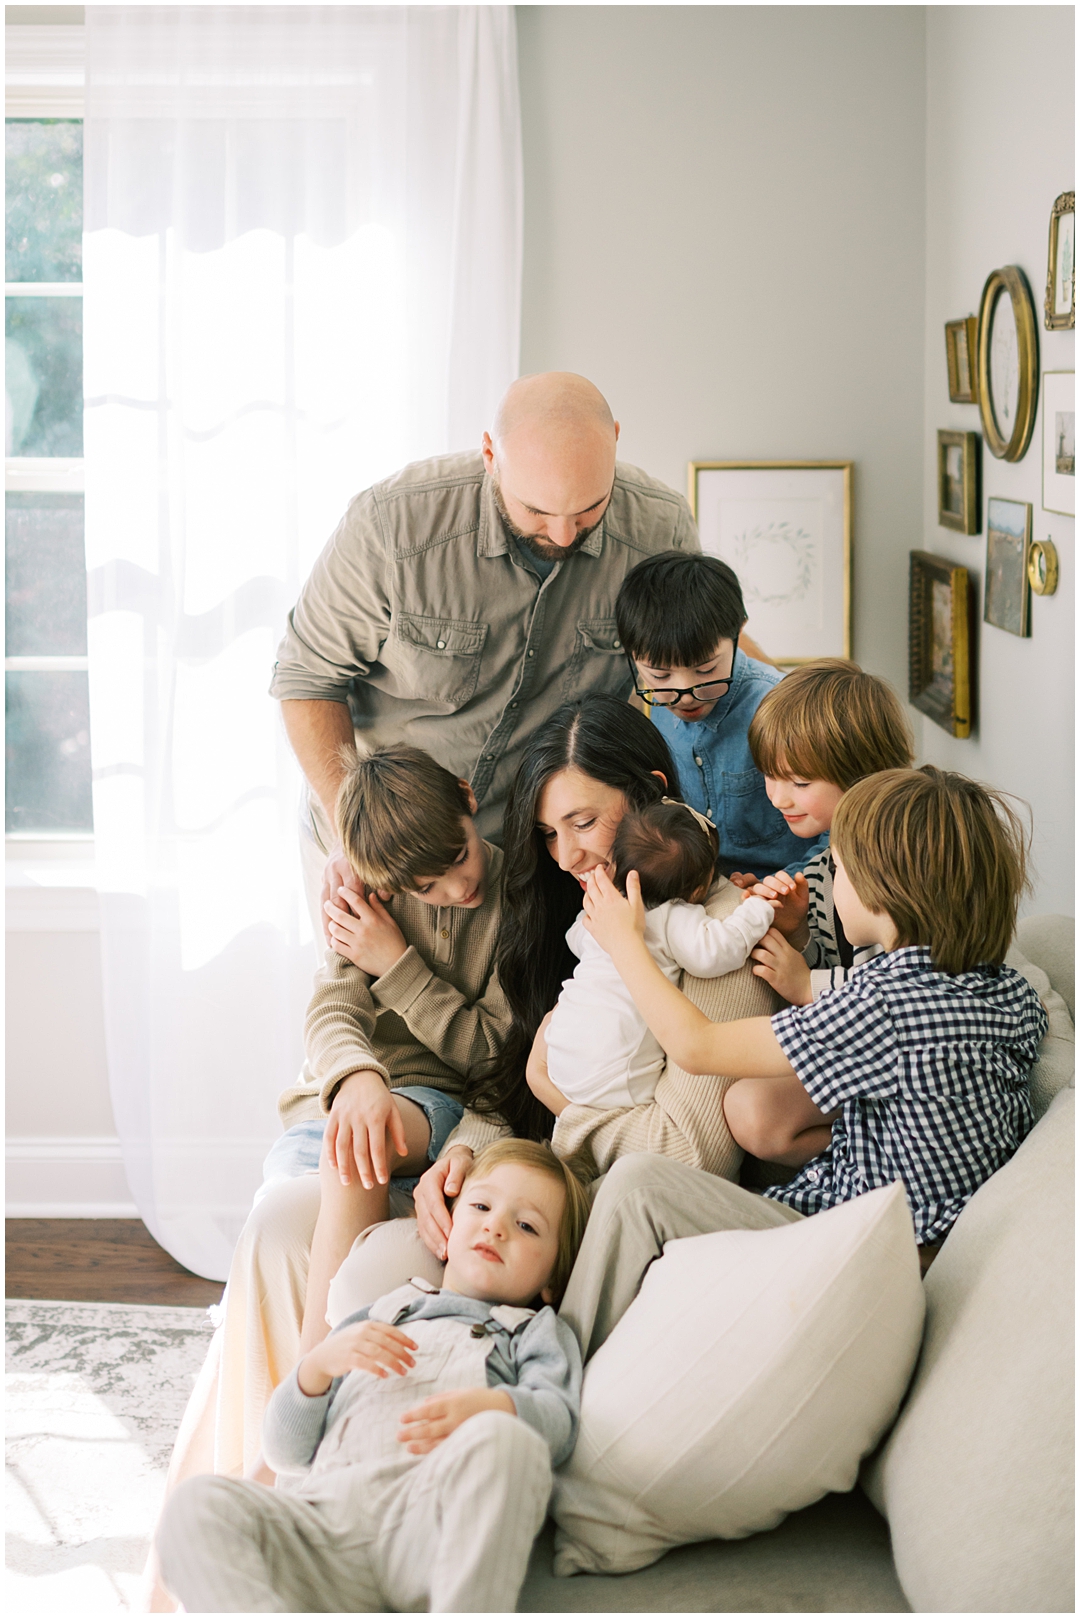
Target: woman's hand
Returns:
[[611, 919], [783, 968], [363, 1116], [370, 1346], [443, 1179], [365, 932], [427, 1424], [536, 1072]]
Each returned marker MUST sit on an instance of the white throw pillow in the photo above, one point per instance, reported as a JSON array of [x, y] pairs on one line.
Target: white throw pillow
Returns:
[[747, 1379]]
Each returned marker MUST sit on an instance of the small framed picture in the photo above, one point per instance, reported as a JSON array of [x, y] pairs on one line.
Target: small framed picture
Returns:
[[1007, 603], [940, 642], [958, 481], [785, 529], [1059, 443], [961, 357], [1060, 309]]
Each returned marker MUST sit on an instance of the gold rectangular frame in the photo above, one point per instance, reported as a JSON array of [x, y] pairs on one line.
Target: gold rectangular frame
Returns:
[[791, 466], [948, 699], [969, 327], [966, 520], [993, 594], [1064, 204]]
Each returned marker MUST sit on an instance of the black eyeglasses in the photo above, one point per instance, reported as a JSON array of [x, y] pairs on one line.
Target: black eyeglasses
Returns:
[[667, 696]]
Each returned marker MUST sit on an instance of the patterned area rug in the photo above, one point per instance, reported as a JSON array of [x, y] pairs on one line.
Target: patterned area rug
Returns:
[[95, 1392]]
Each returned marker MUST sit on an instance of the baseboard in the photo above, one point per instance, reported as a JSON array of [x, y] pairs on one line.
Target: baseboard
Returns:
[[66, 1177]]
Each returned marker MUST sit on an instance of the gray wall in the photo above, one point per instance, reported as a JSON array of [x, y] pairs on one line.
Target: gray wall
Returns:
[[724, 229], [999, 150]]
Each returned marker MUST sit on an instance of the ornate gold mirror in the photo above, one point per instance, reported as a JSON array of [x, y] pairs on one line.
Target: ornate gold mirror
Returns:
[[1008, 363]]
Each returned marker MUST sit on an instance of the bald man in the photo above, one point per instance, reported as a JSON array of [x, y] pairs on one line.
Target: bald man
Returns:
[[463, 599]]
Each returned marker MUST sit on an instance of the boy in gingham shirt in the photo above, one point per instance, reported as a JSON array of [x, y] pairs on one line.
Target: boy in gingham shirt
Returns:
[[917, 1068]]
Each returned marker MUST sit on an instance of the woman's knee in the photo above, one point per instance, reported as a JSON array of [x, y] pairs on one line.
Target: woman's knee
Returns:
[[381, 1259], [279, 1228]]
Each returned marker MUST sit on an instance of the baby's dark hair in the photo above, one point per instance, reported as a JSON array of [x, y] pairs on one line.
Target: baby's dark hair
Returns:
[[672, 853]]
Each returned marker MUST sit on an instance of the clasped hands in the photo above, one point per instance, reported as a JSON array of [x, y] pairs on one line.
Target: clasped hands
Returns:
[[614, 921], [360, 928], [383, 1351]]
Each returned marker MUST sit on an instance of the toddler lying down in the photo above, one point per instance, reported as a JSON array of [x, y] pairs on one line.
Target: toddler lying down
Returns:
[[599, 1051], [414, 1445]]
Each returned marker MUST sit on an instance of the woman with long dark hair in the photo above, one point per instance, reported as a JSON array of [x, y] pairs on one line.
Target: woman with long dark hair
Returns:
[[603, 757], [591, 762]]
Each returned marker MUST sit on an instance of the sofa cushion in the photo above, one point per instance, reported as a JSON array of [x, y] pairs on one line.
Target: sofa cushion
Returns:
[[976, 1478], [1056, 1061], [1050, 942], [749, 1376]]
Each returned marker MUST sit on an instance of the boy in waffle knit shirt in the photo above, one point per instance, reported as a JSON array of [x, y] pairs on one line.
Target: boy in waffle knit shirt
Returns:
[[423, 1429], [916, 1068]]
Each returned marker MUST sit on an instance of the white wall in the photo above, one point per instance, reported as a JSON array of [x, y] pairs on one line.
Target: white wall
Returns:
[[724, 230], [999, 149], [726, 217]]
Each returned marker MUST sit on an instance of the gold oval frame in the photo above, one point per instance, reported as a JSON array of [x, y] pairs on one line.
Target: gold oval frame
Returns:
[[1043, 581], [1010, 280]]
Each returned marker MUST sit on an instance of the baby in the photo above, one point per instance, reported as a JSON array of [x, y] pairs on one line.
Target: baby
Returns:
[[599, 1051], [424, 1428]]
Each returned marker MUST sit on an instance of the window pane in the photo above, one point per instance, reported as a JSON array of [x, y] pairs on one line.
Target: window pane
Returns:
[[46, 576], [44, 200], [43, 365], [48, 752]]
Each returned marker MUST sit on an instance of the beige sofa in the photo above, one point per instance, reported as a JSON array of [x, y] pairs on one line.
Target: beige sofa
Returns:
[[972, 1489]]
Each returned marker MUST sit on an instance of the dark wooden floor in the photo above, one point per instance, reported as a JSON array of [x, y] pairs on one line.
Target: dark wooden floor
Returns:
[[97, 1261]]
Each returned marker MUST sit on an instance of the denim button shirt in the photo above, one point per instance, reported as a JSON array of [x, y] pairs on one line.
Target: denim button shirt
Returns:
[[717, 776]]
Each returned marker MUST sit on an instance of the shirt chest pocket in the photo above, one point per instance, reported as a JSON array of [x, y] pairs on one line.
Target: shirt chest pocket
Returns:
[[598, 662], [436, 660]]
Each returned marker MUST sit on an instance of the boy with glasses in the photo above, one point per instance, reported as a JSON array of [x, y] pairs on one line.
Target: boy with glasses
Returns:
[[679, 618]]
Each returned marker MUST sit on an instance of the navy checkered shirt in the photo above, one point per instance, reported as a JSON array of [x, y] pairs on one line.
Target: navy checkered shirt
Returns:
[[931, 1072]]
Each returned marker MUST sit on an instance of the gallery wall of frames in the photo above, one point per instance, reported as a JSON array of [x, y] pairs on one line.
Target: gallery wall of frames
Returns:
[[992, 575]]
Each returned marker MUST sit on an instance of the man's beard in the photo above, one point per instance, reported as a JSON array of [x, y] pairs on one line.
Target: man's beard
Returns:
[[535, 543]]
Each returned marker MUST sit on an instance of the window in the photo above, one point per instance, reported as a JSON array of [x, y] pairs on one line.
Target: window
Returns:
[[46, 693]]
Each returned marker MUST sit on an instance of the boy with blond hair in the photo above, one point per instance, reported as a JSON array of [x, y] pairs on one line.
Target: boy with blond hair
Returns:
[[826, 726], [405, 1005], [917, 1067], [420, 1435]]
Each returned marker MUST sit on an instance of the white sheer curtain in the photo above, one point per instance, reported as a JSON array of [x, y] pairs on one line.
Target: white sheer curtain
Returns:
[[302, 269]]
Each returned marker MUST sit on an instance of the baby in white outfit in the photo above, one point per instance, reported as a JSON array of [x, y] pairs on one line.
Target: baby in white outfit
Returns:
[[599, 1051]]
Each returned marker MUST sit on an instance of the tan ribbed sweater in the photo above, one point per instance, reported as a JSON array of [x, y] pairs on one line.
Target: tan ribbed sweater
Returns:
[[685, 1118], [434, 1016]]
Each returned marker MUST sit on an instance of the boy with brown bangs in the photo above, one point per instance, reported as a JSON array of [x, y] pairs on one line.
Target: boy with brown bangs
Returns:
[[824, 727], [405, 1005], [916, 1068], [420, 1435]]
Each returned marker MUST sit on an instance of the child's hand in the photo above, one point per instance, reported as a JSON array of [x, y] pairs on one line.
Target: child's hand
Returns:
[[427, 1424], [364, 1121], [370, 1346], [790, 899], [365, 932], [783, 968], [611, 919]]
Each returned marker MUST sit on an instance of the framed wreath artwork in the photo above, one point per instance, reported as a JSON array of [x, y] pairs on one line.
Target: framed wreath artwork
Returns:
[[785, 529]]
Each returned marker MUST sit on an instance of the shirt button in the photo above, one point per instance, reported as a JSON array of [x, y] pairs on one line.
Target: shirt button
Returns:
[[477, 1330], [532, 654], [490, 757], [445, 933], [698, 760], [441, 644], [513, 705], [616, 644]]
